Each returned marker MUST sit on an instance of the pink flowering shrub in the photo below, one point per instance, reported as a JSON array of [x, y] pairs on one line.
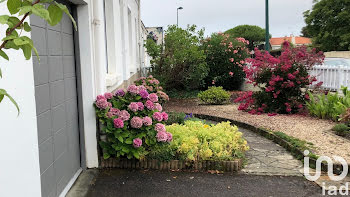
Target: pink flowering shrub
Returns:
[[132, 121], [152, 89], [225, 57], [280, 79]]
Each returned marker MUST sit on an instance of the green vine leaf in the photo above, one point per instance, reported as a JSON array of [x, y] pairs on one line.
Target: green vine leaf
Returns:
[[66, 11], [4, 55], [4, 93], [25, 9], [40, 11], [13, 5], [56, 14], [27, 27], [4, 19]]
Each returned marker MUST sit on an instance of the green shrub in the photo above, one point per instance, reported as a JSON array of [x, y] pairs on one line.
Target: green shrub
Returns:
[[341, 129], [225, 57], [175, 118], [195, 141], [330, 106], [182, 63], [214, 95]]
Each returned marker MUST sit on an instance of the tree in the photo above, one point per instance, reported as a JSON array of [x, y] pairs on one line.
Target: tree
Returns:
[[13, 38], [328, 23], [254, 34], [182, 63]]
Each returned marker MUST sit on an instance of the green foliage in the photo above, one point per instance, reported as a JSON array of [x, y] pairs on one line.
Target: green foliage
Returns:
[[153, 49], [328, 23], [330, 106], [253, 33], [196, 141], [175, 118], [13, 38], [225, 57], [214, 95], [341, 129], [183, 94], [181, 65]]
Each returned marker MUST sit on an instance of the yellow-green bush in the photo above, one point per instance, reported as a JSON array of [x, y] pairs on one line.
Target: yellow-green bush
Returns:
[[214, 95], [198, 141]]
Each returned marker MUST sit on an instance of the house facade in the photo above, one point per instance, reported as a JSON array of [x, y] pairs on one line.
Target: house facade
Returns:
[[276, 43], [45, 147]]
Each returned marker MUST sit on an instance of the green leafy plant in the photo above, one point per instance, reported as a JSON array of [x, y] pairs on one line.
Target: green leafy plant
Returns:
[[176, 118], [341, 129], [214, 95], [330, 106], [13, 38], [181, 64], [196, 141]]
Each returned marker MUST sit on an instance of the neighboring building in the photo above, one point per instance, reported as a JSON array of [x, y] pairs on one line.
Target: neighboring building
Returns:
[[276, 43], [158, 32], [53, 139]]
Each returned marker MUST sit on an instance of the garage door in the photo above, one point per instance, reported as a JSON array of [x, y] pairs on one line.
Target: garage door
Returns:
[[56, 101]]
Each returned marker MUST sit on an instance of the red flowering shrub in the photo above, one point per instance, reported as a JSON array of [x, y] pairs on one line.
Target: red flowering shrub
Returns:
[[280, 79], [225, 57]]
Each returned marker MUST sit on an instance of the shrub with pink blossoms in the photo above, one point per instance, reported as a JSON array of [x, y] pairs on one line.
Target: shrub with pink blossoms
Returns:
[[152, 85], [126, 122], [281, 80]]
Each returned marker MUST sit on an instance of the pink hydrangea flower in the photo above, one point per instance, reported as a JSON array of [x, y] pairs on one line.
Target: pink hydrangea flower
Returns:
[[136, 122], [157, 116], [160, 127], [124, 115], [100, 97], [150, 105], [230, 73], [133, 89], [133, 107], [170, 137], [102, 104], [158, 107], [143, 93], [115, 111], [108, 95], [140, 105], [141, 87], [110, 114], [153, 97], [147, 121], [120, 93], [162, 136], [165, 116], [118, 123], [137, 142]]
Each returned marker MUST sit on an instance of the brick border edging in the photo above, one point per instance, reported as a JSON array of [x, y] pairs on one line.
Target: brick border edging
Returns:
[[337, 168], [226, 166]]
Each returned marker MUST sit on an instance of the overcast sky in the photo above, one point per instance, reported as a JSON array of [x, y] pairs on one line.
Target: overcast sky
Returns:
[[286, 16]]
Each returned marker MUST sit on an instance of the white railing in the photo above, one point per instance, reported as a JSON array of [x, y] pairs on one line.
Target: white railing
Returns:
[[333, 77]]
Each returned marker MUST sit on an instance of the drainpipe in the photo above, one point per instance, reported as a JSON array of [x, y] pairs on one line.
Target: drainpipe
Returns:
[[100, 53]]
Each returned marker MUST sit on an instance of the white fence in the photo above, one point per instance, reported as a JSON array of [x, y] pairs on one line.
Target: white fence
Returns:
[[333, 77]]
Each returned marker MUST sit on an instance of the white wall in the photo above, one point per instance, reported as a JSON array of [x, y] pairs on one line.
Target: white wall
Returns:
[[19, 169]]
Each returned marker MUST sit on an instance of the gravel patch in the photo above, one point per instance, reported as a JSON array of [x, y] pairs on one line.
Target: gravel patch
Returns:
[[305, 128]]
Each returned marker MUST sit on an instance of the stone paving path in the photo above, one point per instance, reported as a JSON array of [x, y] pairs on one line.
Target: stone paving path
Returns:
[[267, 158]]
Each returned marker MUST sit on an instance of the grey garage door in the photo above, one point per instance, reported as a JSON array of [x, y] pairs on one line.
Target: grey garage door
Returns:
[[56, 101]]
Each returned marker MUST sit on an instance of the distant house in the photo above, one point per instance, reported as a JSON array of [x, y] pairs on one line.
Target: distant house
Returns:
[[295, 40], [156, 33]]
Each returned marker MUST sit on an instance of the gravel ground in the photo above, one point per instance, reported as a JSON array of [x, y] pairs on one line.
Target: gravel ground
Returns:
[[306, 128]]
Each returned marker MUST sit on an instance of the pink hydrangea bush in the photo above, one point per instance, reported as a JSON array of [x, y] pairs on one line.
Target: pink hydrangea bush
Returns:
[[283, 80], [132, 120], [153, 87]]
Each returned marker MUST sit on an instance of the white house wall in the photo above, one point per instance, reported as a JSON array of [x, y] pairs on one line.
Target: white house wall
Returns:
[[19, 162]]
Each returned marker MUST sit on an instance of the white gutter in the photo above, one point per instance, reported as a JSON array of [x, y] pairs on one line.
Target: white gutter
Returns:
[[100, 53]]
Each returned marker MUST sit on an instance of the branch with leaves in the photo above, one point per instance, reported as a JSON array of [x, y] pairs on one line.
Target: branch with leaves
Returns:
[[14, 40]]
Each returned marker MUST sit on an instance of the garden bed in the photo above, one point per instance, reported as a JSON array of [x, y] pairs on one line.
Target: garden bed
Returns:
[[302, 127], [226, 166]]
